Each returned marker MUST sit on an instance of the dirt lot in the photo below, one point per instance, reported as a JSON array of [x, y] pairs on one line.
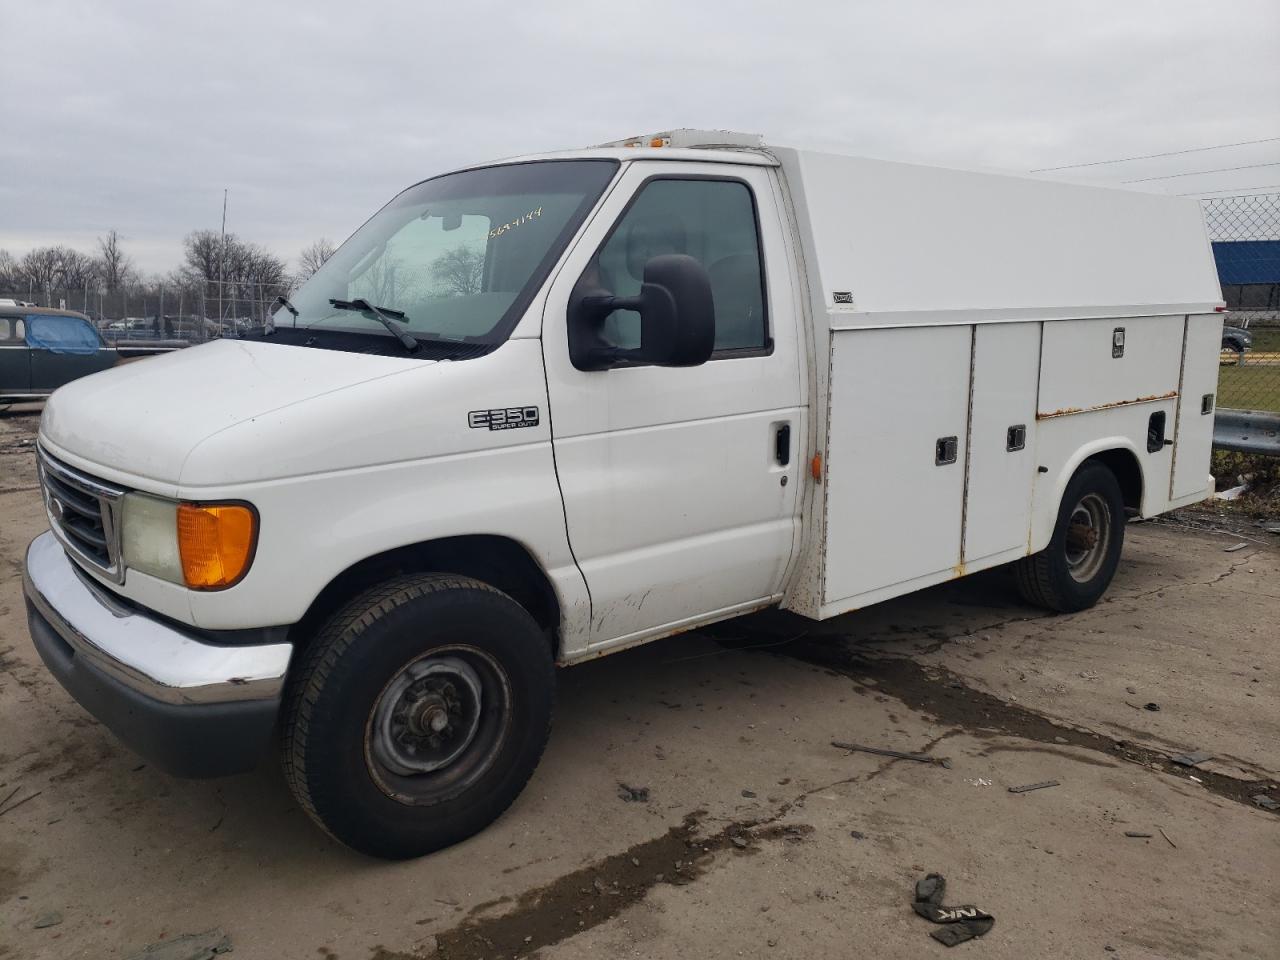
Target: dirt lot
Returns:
[[758, 837]]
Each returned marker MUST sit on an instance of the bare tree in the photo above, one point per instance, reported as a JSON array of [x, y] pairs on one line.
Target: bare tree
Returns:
[[312, 257], [202, 253], [41, 269], [115, 267], [246, 274], [77, 269], [459, 271], [8, 272], [55, 269]]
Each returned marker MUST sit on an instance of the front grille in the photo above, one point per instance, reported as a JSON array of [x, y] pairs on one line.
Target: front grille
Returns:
[[84, 513]]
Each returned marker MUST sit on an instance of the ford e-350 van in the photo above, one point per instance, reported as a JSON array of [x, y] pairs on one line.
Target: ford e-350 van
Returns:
[[550, 408]]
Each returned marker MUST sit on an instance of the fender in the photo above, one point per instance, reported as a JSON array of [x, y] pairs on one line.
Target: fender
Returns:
[[1046, 497]]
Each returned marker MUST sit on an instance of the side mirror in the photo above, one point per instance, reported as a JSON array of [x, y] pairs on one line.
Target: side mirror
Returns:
[[677, 318]]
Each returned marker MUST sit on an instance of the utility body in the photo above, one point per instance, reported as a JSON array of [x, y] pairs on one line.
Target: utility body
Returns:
[[649, 386]]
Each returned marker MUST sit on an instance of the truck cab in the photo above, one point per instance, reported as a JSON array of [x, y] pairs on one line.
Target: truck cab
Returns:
[[542, 410], [42, 348]]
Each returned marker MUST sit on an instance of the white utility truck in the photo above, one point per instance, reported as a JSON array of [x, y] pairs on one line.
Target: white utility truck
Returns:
[[548, 408]]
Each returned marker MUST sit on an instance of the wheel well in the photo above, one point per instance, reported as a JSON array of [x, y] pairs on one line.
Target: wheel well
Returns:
[[1124, 465], [498, 561]]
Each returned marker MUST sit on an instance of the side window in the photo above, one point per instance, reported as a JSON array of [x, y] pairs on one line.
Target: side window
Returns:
[[5, 324], [713, 221], [19, 329]]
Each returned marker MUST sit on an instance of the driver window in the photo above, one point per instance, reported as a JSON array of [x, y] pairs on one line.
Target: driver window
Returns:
[[713, 221]]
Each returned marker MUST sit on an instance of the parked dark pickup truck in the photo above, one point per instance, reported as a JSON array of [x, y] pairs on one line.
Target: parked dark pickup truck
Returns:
[[42, 348], [1236, 339]]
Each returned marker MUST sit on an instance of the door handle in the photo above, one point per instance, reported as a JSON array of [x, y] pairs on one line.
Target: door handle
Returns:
[[945, 451], [782, 444]]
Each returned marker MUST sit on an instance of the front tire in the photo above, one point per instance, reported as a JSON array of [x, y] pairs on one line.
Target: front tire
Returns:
[[418, 714], [1075, 569]]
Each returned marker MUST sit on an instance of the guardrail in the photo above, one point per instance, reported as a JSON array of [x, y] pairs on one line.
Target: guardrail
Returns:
[[1247, 431]]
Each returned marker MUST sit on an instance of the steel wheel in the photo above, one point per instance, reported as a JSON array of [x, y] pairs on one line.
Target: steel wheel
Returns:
[[1073, 570], [438, 725], [1088, 537]]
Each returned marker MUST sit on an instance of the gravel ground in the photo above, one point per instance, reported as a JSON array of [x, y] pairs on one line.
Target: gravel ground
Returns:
[[758, 838]]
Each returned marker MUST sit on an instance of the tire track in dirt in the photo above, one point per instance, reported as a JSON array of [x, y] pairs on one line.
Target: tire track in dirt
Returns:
[[935, 691], [598, 892]]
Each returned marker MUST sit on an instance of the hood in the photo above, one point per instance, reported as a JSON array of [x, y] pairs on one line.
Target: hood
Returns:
[[145, 417]]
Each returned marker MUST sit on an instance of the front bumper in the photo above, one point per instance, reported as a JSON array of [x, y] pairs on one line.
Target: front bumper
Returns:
[[193, 708]]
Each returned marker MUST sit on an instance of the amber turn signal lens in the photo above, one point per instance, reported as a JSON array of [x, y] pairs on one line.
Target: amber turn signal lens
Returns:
[[215, 542]]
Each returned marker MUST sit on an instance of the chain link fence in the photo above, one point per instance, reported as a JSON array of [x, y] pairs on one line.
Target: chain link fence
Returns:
[[192, 314], [1245, 232]]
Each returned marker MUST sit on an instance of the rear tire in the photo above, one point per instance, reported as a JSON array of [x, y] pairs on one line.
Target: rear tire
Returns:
[[1075, 569], [418, 714]]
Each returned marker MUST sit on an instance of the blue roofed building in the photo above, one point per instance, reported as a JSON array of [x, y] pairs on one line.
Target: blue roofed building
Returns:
[[1249, 271]]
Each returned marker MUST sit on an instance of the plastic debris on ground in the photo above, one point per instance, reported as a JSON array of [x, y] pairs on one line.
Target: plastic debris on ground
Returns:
[[189, 946], [959, 923], [631, 794]]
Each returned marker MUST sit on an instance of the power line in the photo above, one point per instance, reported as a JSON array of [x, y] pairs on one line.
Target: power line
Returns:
[[1197, 173], [1152, 156], [1241, 191]]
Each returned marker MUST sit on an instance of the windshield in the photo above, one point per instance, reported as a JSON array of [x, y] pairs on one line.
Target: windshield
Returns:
[[459, 256]]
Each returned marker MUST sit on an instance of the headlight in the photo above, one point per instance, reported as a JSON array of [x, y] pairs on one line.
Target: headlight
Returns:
[[149, 536], [204, 546]]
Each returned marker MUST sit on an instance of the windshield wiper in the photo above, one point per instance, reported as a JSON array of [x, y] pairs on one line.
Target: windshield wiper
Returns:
[[269, 327], [284, 302], [384, 317]]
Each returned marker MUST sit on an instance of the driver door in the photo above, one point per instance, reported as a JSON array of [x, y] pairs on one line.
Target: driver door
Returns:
[[15, 358], [680, 483]]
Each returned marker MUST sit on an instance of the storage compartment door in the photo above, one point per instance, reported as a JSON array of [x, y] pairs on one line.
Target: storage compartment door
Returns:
[[895, 459], [1006, 368], [1194, 440]]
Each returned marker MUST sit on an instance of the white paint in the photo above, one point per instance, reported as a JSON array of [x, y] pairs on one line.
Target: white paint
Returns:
[[650, 496], [907, 239], [675, 503], [892, 514], [1195, 429], [998, 499], [1078, 371]]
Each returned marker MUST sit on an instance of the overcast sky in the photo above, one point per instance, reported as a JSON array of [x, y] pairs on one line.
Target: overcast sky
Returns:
[[135, 115]]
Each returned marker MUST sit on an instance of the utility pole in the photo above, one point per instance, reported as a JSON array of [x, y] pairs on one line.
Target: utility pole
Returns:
[[222, 256]]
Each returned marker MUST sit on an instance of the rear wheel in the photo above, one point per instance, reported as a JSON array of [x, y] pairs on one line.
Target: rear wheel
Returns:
[[1074, 570], [418, 714]]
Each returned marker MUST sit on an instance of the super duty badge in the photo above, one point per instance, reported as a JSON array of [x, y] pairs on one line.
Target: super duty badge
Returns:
[[506, 418]]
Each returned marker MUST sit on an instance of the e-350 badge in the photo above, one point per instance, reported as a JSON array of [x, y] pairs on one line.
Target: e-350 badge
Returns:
[[504, 418]]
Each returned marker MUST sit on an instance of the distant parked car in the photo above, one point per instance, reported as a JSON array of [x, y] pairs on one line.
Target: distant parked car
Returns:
[[1237, 340], [43, 348]]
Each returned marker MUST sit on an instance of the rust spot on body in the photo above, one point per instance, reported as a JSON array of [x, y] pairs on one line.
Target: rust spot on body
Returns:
[[1067, 411]]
